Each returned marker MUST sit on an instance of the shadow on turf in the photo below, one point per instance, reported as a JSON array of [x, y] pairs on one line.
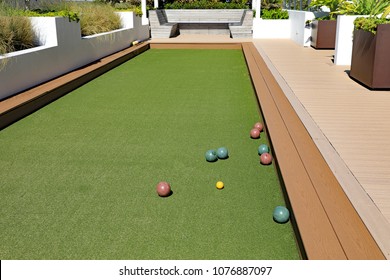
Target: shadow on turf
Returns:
[[171, 193], [280, 222], [214, 161]]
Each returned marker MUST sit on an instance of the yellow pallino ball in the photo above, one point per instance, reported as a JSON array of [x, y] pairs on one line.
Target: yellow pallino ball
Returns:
[[219, 185]]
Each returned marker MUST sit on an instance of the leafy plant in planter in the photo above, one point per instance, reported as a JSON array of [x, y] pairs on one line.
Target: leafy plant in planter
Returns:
[[323, 29], [370, 63], [363, 7], [370, 24], [333, 6]]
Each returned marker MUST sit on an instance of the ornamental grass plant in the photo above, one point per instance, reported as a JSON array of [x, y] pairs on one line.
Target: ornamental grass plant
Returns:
[[96, 18], [16, 32]]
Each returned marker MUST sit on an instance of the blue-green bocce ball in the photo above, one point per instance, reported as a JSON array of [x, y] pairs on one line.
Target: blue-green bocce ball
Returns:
[[211, 155], [263, 148], [281, 214], [222, 153]]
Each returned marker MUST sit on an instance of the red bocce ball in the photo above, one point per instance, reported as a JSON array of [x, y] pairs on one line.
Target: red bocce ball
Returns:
[[163, 189], [259, 126], [255, 133], [265, 159]]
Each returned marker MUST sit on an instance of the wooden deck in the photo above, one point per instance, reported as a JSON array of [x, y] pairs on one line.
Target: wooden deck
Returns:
[[346, 122], [327, 222]]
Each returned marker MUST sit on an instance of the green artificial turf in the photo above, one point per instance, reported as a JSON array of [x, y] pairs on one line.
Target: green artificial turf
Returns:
[[78, 177]]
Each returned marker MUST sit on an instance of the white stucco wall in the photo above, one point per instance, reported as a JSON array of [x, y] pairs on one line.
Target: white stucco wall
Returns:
[[298, 32], [344, 40], [294, 28], [271, 28], [63, 50]]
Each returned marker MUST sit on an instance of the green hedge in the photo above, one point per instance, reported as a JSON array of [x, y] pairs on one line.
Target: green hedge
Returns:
[[205, 4], [274, 14], [127, 6]]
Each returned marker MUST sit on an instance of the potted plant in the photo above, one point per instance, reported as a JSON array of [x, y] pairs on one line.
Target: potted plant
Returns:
[[347, 12], [362, 7], [370, 63], [323, 29]]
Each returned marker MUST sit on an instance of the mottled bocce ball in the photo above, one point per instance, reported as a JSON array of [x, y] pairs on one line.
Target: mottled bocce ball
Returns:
[[263, 148], [281, 214], [222, 153], [211, 155]]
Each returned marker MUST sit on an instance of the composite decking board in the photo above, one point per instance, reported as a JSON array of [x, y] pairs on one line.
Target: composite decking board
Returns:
[[354, 237], [318, 236], [351, 121]]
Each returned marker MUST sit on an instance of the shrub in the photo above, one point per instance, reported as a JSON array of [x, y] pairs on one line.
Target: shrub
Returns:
[[271, 4], [128, 6], [274, 14], [72, 16], [333, 6], [205, 4]]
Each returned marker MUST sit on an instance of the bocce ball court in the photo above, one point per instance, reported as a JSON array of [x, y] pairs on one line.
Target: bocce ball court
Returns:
[[79, 174]]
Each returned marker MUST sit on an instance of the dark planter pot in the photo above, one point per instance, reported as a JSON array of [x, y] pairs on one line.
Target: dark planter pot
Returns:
[[323, 34], [370, 63]]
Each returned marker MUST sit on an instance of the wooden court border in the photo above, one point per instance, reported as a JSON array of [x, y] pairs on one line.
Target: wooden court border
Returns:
[[326, 224]]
